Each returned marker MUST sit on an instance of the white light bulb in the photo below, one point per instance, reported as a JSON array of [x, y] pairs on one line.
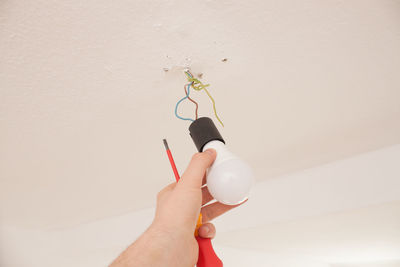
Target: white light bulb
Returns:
[[229, 179]]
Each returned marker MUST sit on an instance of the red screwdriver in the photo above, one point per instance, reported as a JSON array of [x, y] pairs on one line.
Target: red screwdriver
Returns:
[[207, 256]]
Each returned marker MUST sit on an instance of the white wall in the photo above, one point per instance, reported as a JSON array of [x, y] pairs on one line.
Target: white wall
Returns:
[[258, 232]]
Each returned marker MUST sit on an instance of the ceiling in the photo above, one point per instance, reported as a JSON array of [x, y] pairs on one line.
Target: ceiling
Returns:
[[88, 90]]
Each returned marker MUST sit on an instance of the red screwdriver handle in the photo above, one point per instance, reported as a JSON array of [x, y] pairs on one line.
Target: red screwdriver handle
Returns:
[[207, 256]]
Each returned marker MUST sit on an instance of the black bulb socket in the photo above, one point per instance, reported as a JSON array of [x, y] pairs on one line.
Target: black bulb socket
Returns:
[[202, 131]]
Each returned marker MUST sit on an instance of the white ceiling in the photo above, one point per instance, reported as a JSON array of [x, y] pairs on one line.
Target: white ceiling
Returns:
[[85, 102]]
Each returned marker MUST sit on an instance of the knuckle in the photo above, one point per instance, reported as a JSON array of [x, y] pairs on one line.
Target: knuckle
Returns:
[[159, 195], [198, 157], [201, 157]]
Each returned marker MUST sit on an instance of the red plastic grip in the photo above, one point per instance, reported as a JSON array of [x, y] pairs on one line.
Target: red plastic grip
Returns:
[[207, 256]]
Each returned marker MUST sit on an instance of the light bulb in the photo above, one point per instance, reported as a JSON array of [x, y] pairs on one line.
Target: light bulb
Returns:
[[229, 179]]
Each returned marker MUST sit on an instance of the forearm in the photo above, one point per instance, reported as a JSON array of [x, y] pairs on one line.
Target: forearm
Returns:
[[155, 247], [151, 249]]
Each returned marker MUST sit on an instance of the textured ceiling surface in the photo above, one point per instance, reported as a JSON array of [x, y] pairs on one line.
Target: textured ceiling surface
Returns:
[[85, 100]]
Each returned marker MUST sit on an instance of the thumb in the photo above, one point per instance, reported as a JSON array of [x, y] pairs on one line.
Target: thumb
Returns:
[[193, 175]]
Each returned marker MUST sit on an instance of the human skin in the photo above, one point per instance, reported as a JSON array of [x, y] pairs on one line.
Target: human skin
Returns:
[[169, 240]]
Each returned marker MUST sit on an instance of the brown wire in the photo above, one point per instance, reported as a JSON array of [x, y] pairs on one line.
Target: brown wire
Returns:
[[197, 105]]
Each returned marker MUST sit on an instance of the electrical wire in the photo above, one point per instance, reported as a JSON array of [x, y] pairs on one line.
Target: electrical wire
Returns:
[[177, 104], [197, 105], [198, 86]]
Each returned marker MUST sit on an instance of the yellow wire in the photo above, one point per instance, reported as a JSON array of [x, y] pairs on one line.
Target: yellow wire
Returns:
[[198, 86]]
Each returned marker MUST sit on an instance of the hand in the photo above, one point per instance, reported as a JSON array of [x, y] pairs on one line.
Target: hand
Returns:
[[169, 241]]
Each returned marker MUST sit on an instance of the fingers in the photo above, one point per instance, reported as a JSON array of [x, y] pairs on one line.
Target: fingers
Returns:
[[207, 230], [193, 176], [216, 209], [206, 196], [204, 181]]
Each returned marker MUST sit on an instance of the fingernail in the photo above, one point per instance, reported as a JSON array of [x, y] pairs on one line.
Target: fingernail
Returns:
[[210, 151], [206, 230]]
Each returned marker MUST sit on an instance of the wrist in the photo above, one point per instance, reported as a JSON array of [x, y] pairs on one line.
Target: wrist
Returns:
[[167, 237], [171, 244]]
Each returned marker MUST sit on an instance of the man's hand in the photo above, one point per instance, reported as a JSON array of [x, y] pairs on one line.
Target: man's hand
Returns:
[[169, 241]]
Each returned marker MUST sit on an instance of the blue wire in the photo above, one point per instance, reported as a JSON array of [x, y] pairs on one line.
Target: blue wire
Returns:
[[177, 104]]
